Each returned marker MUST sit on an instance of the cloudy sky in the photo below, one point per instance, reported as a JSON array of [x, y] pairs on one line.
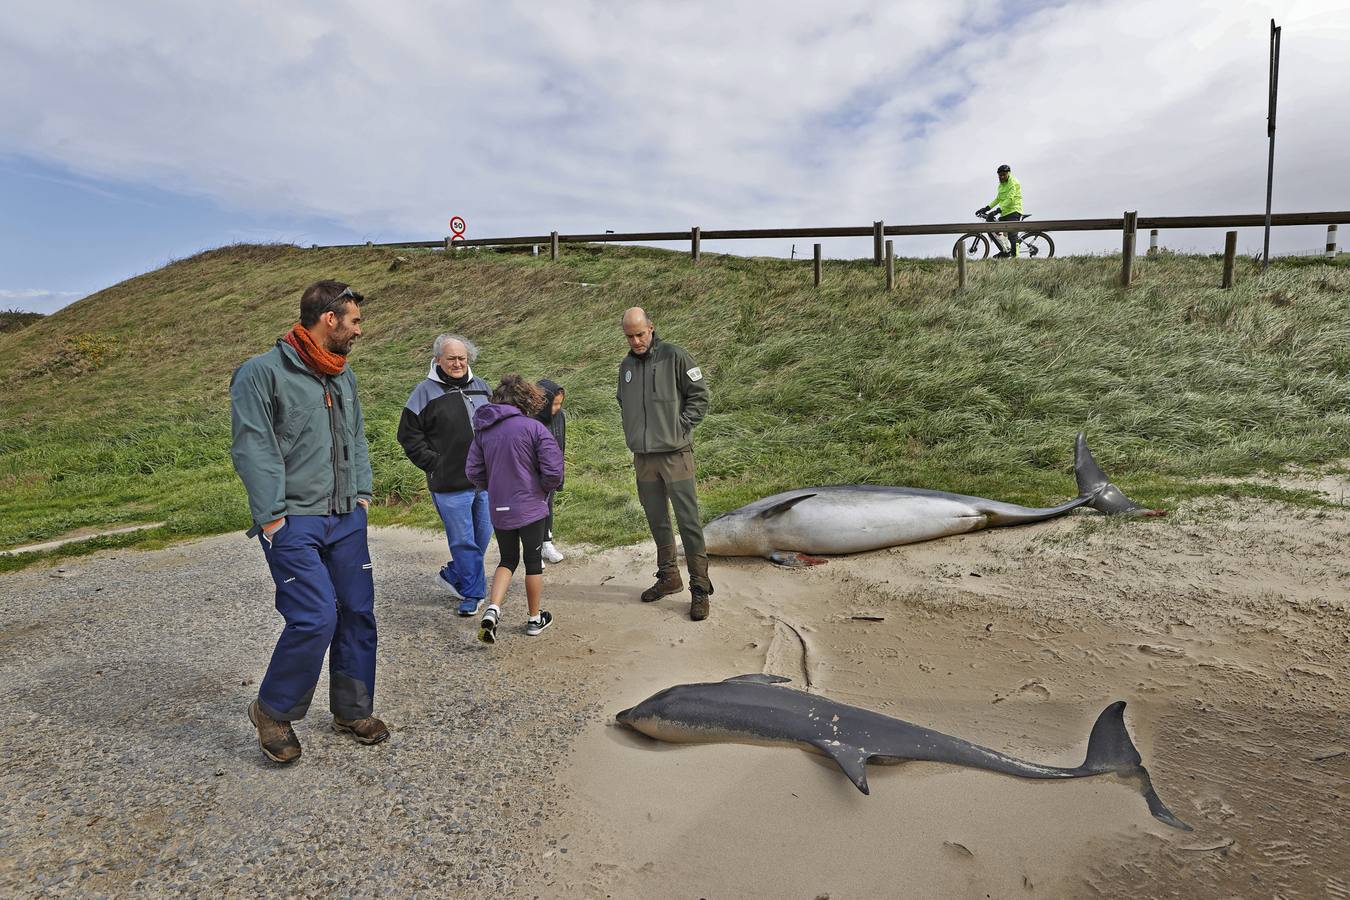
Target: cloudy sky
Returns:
[[139, 132]]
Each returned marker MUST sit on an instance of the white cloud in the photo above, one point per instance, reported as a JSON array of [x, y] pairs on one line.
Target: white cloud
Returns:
[[523, 118]]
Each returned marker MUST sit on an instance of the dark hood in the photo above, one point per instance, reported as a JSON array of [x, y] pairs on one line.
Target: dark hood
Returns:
[[551, 389]]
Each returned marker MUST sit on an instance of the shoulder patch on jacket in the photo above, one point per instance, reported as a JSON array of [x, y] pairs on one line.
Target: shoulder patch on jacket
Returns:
[[695, 374]]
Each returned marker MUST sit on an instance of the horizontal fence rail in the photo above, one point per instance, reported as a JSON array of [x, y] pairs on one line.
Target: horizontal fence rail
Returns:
[[1112, 224]]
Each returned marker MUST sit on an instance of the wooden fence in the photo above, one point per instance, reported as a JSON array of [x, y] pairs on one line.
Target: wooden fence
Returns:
[[882, 250]]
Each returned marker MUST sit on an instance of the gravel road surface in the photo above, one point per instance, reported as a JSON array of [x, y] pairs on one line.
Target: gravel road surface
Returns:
[[130, 766]]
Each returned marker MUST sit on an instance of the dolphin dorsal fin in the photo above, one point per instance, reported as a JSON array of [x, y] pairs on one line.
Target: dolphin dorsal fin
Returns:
[[783, 506], [852, 760], [759, 678]]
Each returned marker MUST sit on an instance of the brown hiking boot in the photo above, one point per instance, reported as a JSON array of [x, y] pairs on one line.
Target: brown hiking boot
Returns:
[[668, 579], [277, 739], [666, 583], [698, 607], [369, 730]]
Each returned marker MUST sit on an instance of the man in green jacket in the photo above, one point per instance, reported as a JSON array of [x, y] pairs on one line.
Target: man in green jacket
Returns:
[[299, 446], [1007, 201], [662, 395]]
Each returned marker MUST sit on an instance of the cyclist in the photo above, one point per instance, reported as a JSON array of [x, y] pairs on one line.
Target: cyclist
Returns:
[[1008, 202]]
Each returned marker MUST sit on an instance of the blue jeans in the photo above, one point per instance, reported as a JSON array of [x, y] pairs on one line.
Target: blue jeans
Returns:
[[468, 528], [326, 593]]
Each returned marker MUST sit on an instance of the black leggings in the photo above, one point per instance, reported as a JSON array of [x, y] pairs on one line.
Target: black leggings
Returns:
[[531, 537]]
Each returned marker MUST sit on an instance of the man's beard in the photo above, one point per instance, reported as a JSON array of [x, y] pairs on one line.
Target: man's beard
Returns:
[[341, 349]]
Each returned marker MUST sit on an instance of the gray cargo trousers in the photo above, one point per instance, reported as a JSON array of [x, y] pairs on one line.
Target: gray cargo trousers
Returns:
[[666, 480]]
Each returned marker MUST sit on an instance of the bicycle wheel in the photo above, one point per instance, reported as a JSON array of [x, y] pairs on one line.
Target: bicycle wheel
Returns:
[[1037, 245], [977, 246]]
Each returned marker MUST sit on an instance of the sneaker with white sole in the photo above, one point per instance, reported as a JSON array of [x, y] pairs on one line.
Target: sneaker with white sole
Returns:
[[534, 626], [550, 553], [469, 606], [447, 585], [487, 629]]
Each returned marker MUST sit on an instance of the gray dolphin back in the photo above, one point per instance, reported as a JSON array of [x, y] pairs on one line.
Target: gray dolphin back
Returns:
[[757, 708]]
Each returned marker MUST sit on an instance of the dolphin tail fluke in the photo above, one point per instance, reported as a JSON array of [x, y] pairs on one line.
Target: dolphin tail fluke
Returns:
[[1110, 749], [1104, 496], [852, 760]]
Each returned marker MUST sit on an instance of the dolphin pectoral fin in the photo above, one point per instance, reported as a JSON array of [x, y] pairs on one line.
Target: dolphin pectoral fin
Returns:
[[793, 560], [759, 678], [852, 760], [783, 506]]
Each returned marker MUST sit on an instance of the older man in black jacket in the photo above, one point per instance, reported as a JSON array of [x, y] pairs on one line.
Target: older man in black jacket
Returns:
[[436, 430]]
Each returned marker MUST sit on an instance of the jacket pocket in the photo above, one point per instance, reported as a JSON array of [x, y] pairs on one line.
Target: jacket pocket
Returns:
[[294, 427]]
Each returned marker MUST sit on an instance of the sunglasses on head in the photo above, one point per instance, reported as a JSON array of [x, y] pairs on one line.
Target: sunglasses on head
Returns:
[[336, 304]]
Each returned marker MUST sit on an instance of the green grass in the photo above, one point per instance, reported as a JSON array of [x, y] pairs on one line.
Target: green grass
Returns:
[[116, 409]]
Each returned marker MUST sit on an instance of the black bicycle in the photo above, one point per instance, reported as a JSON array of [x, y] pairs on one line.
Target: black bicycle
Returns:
[[1035, 244]]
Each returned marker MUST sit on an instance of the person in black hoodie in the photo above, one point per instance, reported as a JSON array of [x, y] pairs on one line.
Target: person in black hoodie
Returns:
[[436, 430], [553, 416]]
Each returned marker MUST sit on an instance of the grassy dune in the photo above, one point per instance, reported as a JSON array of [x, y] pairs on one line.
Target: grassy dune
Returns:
[[116, 409]]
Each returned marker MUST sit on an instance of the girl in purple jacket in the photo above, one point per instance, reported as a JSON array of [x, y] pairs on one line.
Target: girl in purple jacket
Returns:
[[516, 460]]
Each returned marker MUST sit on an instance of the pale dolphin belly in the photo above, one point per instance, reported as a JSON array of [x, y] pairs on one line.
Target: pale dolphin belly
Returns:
[[845, 521]]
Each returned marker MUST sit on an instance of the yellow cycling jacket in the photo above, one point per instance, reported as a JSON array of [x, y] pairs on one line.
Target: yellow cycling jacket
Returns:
[[1009, 198]]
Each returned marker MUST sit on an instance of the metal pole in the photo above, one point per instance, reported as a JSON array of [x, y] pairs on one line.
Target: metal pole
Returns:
[[1153, 242], [1270, 130], [1331, 242]]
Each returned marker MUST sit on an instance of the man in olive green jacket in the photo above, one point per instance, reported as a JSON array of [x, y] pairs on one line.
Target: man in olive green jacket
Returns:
[[662, 395], [299, 446]]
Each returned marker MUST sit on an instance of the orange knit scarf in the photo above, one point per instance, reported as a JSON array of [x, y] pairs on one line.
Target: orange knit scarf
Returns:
[[319, 360]]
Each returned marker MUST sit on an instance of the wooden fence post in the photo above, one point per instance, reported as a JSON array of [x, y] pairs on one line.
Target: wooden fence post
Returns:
[[890, 265], [1229, 256], [553, 245], [961, 265], [1153, 242], [1331, 242], [694, 234], [448, 244], [1127, 249], [878, 230], [817, 265]]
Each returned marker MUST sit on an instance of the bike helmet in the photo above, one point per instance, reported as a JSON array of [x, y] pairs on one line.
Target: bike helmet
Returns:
[[1004, 168]]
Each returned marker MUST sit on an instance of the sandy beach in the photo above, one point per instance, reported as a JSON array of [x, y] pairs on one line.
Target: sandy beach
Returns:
[[1224, 627]]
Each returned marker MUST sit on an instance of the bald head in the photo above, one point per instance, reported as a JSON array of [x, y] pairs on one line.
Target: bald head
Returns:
[[638, 329]]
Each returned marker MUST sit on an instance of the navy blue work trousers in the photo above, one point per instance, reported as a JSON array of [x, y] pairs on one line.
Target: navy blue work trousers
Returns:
[[326, 592]]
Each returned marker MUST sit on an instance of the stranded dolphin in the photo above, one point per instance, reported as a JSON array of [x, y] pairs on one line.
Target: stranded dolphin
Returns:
[[755, 709], [854, 518]]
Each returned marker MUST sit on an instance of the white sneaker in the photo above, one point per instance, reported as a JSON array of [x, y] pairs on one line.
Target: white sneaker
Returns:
[[550, 553]]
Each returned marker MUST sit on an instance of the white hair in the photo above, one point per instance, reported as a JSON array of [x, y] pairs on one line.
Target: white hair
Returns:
[[438, 347]]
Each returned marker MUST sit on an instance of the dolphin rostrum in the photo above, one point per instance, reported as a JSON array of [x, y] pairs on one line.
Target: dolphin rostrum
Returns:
[[756, 709], [853, 518]]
